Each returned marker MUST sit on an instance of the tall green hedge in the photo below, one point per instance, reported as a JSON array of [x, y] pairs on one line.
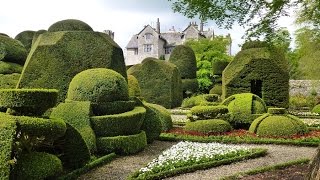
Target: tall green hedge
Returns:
[[7, 136], [69, 25], [160, 82], [258, 65], [164, 114], [56, 57], [80, 139], [25, 37], [12, 50]]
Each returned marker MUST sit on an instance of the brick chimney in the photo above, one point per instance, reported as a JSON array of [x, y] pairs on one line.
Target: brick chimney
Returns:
[[158, 26]]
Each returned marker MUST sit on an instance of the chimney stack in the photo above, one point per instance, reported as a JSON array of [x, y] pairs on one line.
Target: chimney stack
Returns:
[[201, 26], [158, 26]]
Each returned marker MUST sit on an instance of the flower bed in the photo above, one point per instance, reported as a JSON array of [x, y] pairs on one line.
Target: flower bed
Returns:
[[190, 156]]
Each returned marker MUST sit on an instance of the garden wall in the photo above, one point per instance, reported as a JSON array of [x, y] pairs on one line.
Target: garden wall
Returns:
[[304, 87]]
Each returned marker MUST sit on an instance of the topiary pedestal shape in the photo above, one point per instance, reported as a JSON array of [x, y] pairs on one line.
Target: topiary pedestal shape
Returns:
[[277, 123]]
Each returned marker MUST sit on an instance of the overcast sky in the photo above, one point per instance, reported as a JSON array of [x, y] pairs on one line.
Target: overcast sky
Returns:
[[124, 17]]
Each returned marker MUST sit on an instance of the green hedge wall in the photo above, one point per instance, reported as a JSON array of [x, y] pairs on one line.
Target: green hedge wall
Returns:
[[98, 85], [25, 37], [127, 123], [209, 126], [189, 87], [80, 139], [219, 66], [57, 57], [164, 114], [12, 50], [10, 68], [9, 81], [133, 86], [160, 82], [184, 58], [28, 101], [152, 123], [261, 65], [109, 108], [37, 165], [7, 136], [69, 25], [122, 144]]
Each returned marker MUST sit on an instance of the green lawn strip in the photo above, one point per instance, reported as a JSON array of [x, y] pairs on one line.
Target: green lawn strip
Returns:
[[236, 139], [91, 165], [266, 169], [194, 167]]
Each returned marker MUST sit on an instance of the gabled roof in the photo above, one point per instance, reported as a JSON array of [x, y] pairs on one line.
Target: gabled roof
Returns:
[[173, 38], [133, 43], [145, 27]]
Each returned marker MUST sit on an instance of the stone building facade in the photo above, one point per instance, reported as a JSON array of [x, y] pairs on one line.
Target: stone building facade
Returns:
[[150, 42]]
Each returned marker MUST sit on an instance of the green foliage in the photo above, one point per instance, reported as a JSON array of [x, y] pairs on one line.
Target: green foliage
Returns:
[[57, 57], [209, 126], [3, 34], [219, 66], [265, 65], [25, 37], [114, 107], [37, 34], [69, 25], [133, 86], [198, 100], [152, 124], [277, 110], [211, 97], [298, 101], [164, 114], [127, 123], [278, 125], [9, 68], [122, 144], [28, 101], [217, 89], [79, 140], [254, 44], [9, 81], [316, 109], [242, 107], [98, 85], [189, 87], [160, 82], [209, 112], [208, 52], [184, 58], [37, 166], [7, 137], [12, 50]]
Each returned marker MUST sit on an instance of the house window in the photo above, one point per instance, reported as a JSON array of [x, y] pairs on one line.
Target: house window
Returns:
[[148, 36], [168, 50], [147, 47], [256, 87], [136, 51]]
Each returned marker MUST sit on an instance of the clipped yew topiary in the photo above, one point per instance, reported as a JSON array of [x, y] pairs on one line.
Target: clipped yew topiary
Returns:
[[37, 34], [316, 109], [262, 71], [12, 50], [217, 89], [69, 25], [133, 86], [209, 112], [152, 123], [56, 57], [219, 66], [10, 68], [254, 44], [243, 108], [160, 82], [25, 37], [115, 107], [164, 114], [278, 124], [9, 81], [37, 165], [209, 126]]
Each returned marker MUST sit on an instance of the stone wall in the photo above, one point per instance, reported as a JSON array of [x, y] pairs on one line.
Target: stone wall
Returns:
[[304, 87]]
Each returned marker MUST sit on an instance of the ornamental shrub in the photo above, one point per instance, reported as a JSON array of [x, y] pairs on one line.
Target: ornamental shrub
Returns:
[[28, 101], [219, 66], [261, 71], [209, 112], [198, 100], [127, 123], [277, 110], [151, 124], [254, 44], [122, 144], [160, 82], [80, 139], [316, 109], [217, 89], [7, 137], [69, 25], [98, 85], [37, 165], [115, 107], [37, 34], [189, 87], [184, 58], [12, 50], [57, 57], [208, 126], [3, 34], [133, 86], [243, 107], [10, 68], [9, 81], [164, 114], [25, 37]]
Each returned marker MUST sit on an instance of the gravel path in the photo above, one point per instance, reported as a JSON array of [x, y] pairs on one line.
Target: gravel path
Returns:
[[121, 167]]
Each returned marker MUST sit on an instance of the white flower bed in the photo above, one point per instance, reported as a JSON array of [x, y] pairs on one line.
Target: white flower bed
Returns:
[[185, 153]]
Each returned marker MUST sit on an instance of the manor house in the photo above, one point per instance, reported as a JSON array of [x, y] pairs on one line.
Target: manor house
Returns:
[[150, 42]]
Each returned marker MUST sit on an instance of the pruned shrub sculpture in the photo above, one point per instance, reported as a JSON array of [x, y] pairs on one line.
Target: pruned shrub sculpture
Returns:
[[159, 81], [208, 126], [25, 37]]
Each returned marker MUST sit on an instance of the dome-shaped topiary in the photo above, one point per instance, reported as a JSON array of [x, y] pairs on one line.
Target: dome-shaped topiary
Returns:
[[254, 44], [98, 85], [242, 107], [277, 124], [184, 58], [25, 37], [209, 126], [316, 109], [133, 85], [148, 59], [3, 34], [12, 50], [70, 25]]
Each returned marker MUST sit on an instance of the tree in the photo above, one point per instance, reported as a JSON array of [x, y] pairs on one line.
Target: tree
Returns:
[[208, 51]]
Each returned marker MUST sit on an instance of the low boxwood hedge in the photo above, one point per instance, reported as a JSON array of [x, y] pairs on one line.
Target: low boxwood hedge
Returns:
[[277, 110], [37, 165], [115, 107], [122, 144], [208, 126], [209, 112], [28, 101], [119, 124]]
